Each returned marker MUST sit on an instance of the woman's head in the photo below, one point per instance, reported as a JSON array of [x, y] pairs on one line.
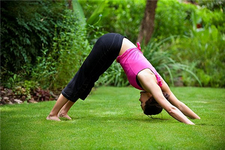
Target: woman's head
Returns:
[[149, 104]]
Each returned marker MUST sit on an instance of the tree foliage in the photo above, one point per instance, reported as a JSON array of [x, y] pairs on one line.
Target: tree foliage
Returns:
[[122, 17]]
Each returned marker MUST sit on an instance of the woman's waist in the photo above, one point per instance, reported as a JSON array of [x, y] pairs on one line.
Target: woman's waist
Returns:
[[126, 45]]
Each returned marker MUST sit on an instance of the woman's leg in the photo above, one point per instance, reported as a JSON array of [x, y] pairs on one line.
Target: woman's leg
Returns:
[[104, 52], [101, 57], [63, 112], [57, 107]]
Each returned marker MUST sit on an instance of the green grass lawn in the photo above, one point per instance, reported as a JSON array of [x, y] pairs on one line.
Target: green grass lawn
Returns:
[[111, 118]]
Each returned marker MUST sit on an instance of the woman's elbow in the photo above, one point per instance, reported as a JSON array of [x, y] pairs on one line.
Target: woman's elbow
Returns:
[[172, 110], [181, 106]]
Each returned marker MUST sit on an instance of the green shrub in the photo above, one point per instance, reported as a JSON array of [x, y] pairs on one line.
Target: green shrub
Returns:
[[68, 52], [213, 4], [206, 49], [27, 27], [25, 88], [175, 18], [211, 18], [172, 18], [42, 41], [200, 48]]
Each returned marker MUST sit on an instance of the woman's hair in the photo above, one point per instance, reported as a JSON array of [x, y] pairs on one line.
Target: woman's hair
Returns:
[[152, 107]]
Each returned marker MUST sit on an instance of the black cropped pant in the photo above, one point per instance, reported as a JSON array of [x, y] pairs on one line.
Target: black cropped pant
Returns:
[[104, 52]]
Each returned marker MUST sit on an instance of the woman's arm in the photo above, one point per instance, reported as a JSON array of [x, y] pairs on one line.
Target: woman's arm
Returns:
[[149, 83], [180, 105]]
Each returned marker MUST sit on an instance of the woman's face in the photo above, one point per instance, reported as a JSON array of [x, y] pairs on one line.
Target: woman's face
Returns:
[[144, 96]]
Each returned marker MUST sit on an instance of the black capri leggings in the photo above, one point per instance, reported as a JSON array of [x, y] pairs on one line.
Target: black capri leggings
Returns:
[[104, 52]]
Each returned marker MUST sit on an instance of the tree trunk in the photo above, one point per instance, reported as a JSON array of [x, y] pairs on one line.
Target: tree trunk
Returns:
[[147, 25], [70, 5]]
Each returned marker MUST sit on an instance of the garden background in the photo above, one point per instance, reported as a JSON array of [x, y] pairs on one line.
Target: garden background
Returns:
[[43, 43]]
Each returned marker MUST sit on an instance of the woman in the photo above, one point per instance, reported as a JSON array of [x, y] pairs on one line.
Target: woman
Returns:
[[141, 74]]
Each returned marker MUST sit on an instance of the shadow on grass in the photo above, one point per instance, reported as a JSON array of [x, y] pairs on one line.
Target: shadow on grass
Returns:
[[213, 125], [131, 119], [118, 119]]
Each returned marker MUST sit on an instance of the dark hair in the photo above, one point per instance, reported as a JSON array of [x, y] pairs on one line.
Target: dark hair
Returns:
[[152, 107]]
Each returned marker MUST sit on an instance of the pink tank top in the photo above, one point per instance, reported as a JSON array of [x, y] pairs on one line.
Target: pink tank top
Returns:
[[133, 61]]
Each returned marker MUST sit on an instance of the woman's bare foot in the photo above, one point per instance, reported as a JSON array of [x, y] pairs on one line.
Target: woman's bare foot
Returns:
[[55, 118], [64, 116]]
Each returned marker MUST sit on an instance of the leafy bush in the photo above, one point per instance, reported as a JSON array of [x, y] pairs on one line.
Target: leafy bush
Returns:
[[27, 27], [172, 18], [213, 4], [24, 89], [68, 52], [198, 43], [211, 18], [206, 49], [47, 43]]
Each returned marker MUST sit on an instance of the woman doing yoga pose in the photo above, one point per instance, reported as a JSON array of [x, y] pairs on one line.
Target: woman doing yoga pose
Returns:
[[155, 93]]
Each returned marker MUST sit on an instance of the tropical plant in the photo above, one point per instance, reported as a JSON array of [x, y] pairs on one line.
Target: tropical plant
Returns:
[[206, 49]]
